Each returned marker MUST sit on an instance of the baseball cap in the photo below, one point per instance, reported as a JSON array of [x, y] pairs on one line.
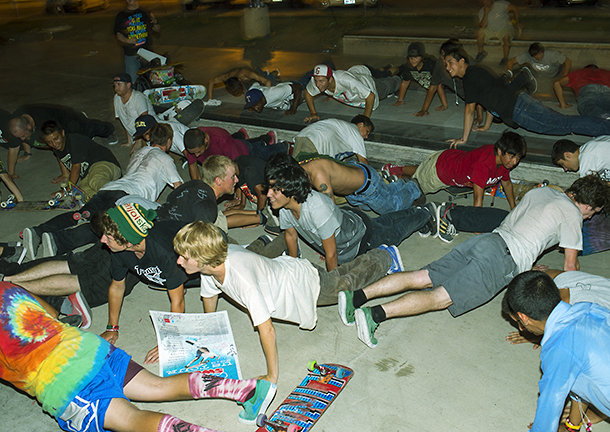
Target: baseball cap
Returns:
[[143, 124], [415, 50], [122, 77], [252, 97], [322, 70]]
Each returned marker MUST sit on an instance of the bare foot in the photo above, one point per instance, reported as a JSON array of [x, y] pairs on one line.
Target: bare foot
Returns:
[[23, 157]]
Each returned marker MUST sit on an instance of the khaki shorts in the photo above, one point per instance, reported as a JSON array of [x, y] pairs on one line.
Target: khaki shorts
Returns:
[[221, 222], [303, 145], [490, 34], [98, 175], [427, 176]]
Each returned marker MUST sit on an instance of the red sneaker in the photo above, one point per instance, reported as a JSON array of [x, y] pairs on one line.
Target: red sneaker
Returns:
[[273, 136], [245, 132], [393, 169]]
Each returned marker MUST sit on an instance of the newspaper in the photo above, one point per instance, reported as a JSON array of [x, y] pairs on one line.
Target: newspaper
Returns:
[[196, 342]]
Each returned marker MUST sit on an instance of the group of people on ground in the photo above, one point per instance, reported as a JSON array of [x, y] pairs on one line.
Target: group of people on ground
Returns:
[[86, 383]]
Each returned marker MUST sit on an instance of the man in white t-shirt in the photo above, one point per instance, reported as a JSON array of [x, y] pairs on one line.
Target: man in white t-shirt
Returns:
[[284, 97], [145, 122], [591, 157], [476, 270], [150, 169], [335, 138], [360, 86], [129, 104], [495, 23], [283, 288]]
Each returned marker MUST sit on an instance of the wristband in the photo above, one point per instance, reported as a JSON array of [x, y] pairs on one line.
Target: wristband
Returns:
[[114, 328], [572, 427]]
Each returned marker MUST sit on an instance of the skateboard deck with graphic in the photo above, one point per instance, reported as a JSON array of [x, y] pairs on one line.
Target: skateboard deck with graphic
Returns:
[[30, 206], [175, 94], [300, 411]]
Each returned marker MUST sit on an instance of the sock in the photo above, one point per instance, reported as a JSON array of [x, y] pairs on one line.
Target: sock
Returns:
[[170, 423], [378, 314], [209, 386], [359, 298]]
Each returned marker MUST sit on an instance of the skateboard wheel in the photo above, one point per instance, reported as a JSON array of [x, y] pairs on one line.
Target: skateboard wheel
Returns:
[[3, 204], [76, 216], [58, 195], [311, 366], [63, 185], [10, 198], [260, 420], [78, 197], [86, 214], [292, 428], [52, 203]]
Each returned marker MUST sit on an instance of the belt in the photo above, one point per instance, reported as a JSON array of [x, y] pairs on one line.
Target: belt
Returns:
[[367, 180]]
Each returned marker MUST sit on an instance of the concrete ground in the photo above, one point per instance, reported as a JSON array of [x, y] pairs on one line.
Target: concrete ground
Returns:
[[429, 373]]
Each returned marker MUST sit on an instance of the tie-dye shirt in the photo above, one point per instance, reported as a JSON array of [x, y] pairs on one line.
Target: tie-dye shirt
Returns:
[[41, 356]]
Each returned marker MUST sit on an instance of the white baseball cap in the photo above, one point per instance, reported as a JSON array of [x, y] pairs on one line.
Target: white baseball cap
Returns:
[[322, 70]]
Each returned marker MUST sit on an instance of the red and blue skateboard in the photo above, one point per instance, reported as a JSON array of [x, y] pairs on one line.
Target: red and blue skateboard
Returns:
[[306, 404]]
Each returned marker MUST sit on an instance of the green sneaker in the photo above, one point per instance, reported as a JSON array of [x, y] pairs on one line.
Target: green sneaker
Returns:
[[346, 307], [366, 326], [257, 404]]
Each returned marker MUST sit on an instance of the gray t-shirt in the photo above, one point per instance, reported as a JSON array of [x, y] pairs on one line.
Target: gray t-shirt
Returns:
[[320, 218], [549, 66]]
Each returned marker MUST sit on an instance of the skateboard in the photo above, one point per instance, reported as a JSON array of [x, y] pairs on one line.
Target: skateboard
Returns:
[[175, 94], [184, 111], [306, 404], [30, 206], [520, 188], [456, 192]]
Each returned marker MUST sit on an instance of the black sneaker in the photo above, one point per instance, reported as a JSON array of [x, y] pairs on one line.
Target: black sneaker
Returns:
[[113, 139], [446, 230], [480, 56], [430, 229], [73, 320]]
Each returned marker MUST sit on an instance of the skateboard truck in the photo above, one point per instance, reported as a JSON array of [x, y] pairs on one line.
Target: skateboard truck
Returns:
[[10, 202], [261, 421]]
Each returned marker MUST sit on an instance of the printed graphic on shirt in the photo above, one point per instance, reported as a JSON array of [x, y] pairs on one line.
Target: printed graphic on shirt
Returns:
[[153, 274], [136, 28]]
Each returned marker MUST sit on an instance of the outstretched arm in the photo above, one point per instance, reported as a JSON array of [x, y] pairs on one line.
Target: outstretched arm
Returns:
[[266, 331], [330, 252], [116, 292], [404, 85], [313, 115], [427, 101], [297, 92], [10, 184], [508, 190], [368, 104], [558, 88], [468, 120], [567, 65], [570, 261], [292, 242]]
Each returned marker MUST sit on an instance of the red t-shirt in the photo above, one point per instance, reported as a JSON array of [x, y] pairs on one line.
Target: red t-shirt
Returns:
[[581, 77], [221, 143], [465, 169]]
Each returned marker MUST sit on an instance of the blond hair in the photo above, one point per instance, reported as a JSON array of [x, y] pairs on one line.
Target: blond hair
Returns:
[[216, 166], [203, 242]]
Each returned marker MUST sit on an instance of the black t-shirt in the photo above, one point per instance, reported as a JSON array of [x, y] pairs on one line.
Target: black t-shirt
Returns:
[[71, 120], [441, 76], [6, 139], [158, 265], [193, 200], [251, 171], [422, 76], [82, 150], [134, 24], [481, 87]]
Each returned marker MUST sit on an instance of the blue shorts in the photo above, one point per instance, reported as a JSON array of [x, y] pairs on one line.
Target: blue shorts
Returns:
[[87, 411]]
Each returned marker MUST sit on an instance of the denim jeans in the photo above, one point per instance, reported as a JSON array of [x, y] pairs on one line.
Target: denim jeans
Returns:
[[393, 228], [594, 100], [259, 149], [476, 219], [132, 65], [596, 234], [381, 197], [352, 276], [532, 115]]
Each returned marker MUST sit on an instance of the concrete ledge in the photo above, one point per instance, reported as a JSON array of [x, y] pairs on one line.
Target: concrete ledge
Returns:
[[581, 53]]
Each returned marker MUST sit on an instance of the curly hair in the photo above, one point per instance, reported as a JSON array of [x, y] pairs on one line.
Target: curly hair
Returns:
[[591, 190], [203, 242], [102, 224], [288, 176]]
